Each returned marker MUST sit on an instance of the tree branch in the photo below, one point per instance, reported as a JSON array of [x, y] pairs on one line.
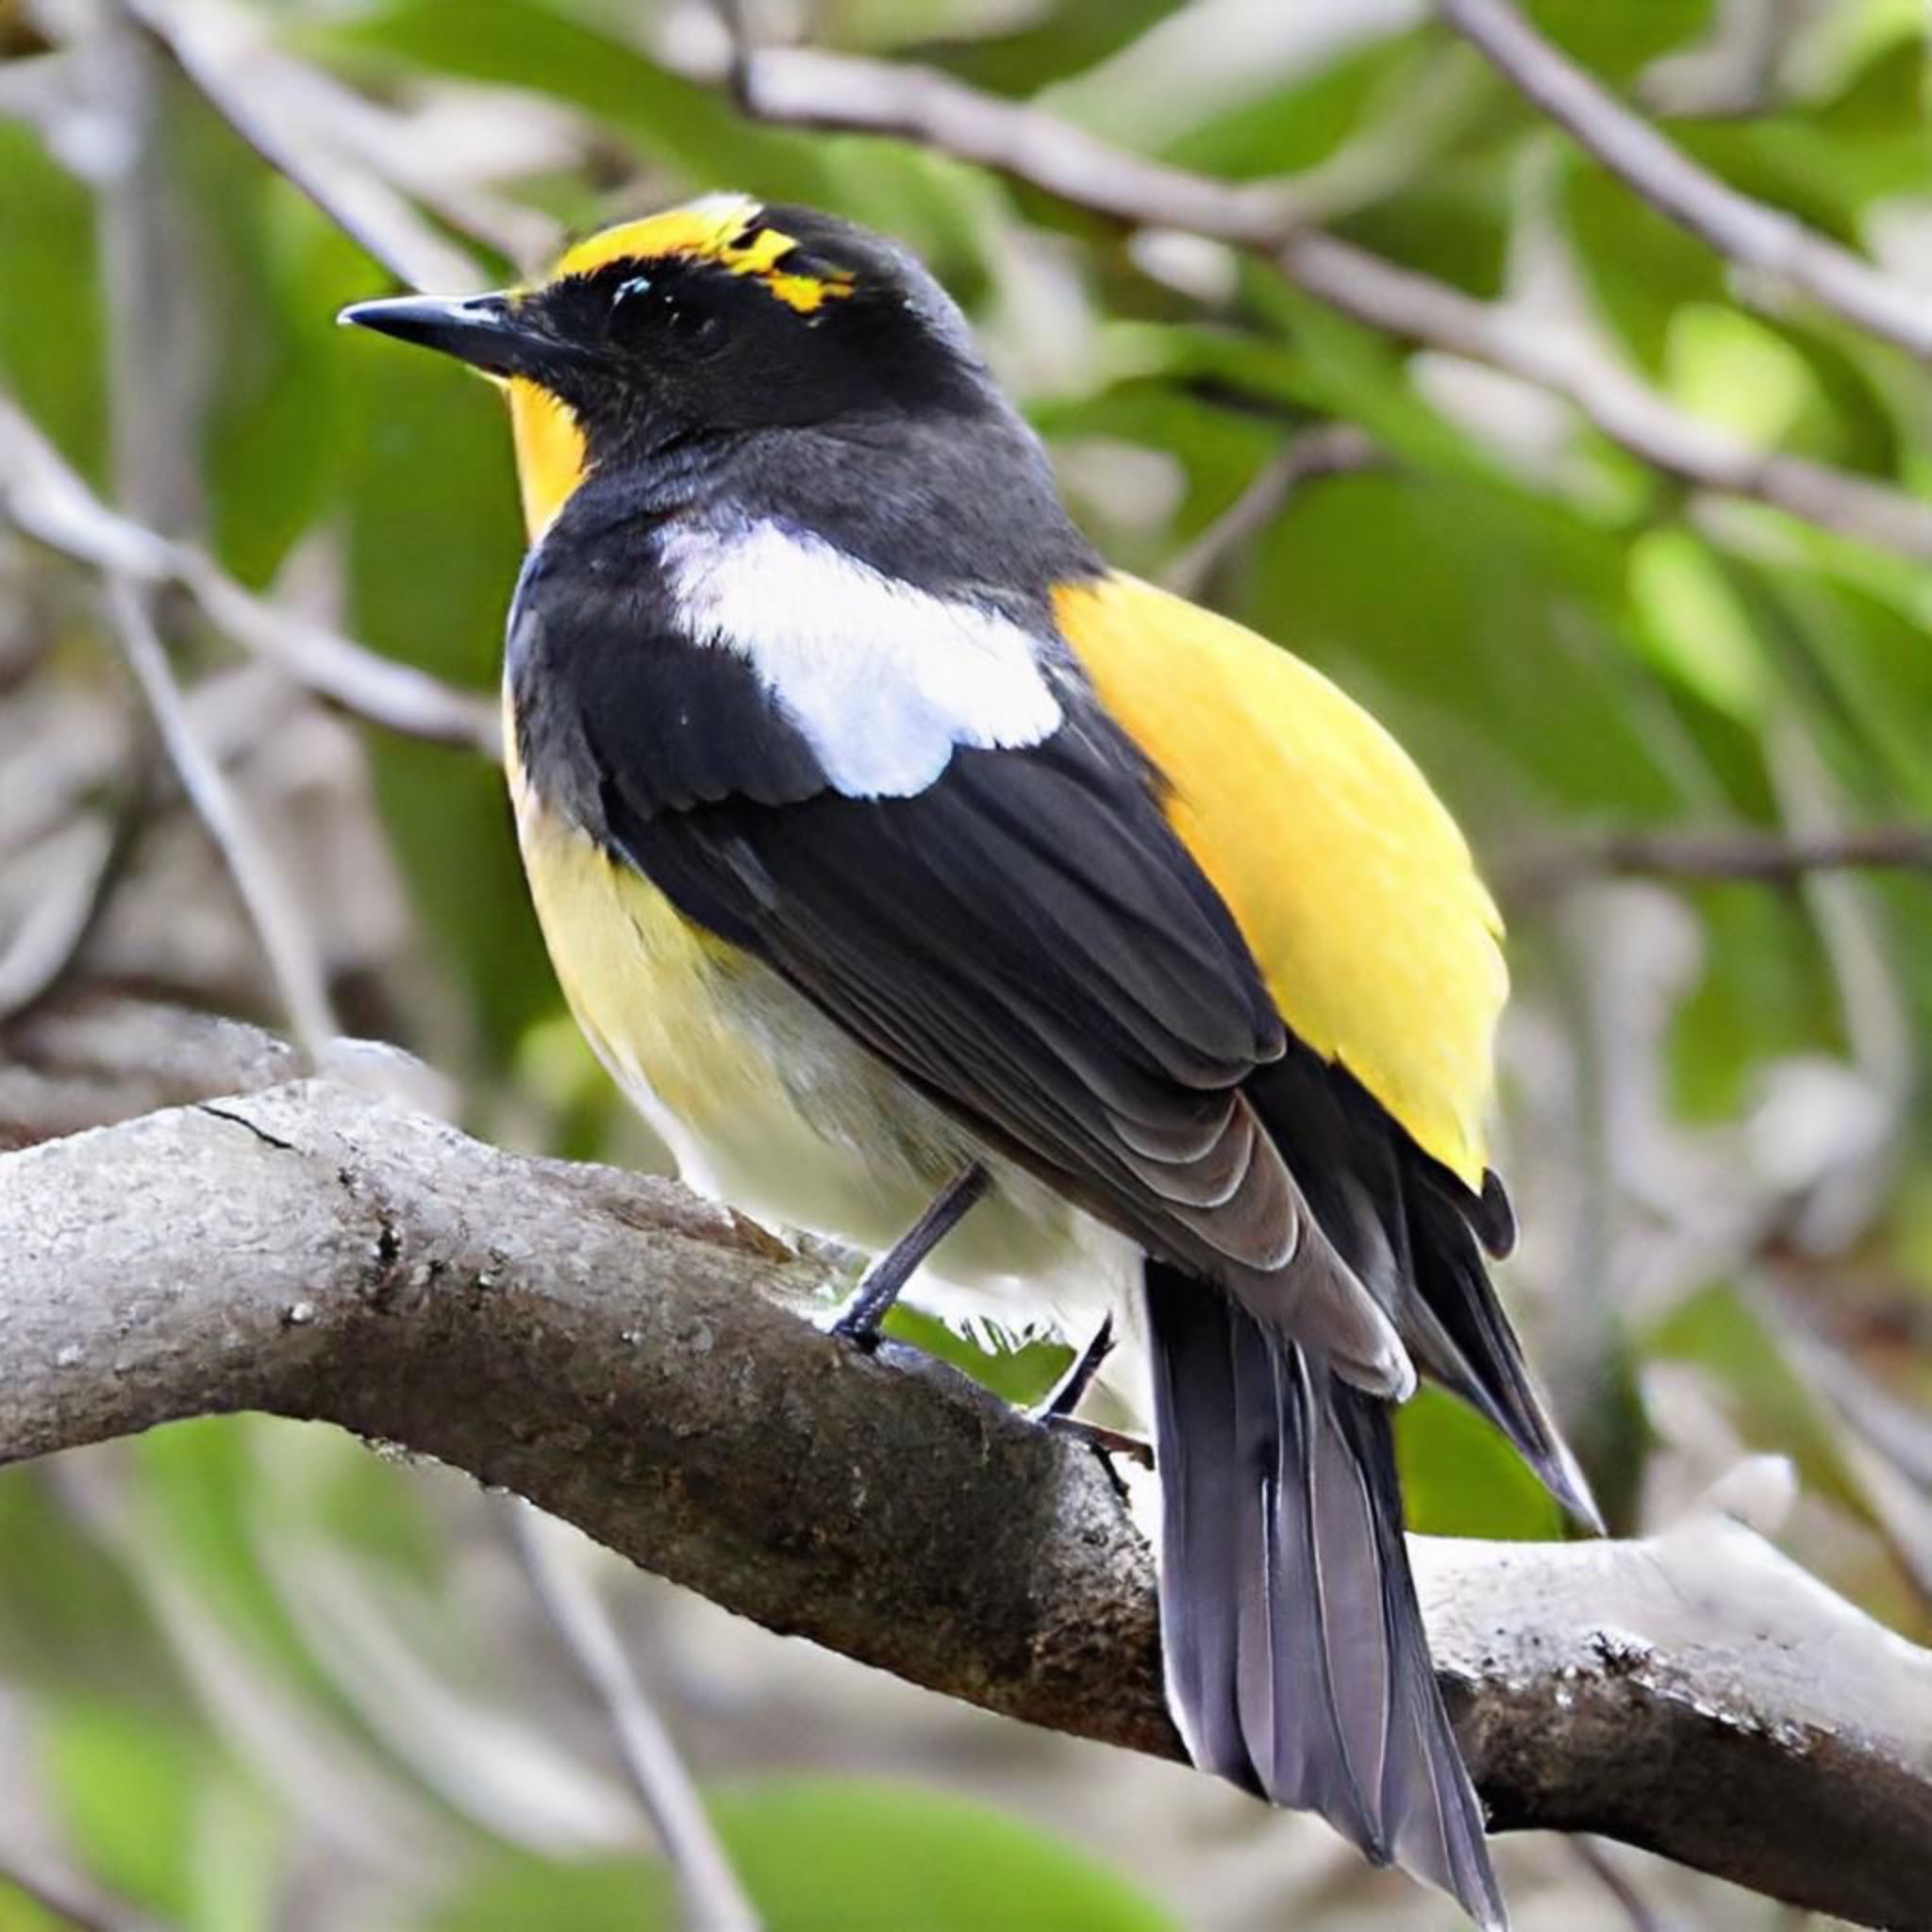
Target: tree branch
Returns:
[[246, 82], [1755, 236], [631, 1359], [804, 87], [277, 916], [1327, 449], [1744, 855], [41, 494], [710, 1896]]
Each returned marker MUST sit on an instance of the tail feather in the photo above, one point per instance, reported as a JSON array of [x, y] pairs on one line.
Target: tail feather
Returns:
[[1458, 1332], [1410, 1229], [1296, 1659]]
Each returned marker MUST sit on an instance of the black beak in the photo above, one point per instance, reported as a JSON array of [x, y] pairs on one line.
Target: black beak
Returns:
[[481, 331]]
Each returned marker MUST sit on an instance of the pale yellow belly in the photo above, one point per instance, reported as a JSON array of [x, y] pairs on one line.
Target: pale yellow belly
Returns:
[[764, 1102]]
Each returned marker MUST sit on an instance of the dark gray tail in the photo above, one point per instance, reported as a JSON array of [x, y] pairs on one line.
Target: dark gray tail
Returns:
[[1296, 1662]]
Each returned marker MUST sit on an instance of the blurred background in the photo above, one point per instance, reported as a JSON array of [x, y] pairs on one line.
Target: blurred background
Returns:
[[254, 1675]]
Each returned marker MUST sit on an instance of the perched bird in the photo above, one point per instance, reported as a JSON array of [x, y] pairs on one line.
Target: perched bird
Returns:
[[912, 870]]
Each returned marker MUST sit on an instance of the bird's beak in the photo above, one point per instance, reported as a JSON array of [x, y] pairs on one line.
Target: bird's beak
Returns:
[[482, 331]]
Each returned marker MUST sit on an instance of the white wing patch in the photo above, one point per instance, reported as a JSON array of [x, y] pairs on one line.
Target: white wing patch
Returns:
[[883, 679]]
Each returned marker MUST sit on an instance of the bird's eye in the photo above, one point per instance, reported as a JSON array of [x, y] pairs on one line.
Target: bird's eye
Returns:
[[646, 306]]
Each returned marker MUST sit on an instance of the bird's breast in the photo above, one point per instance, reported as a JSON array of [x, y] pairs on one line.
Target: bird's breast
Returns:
[[764, 1102]]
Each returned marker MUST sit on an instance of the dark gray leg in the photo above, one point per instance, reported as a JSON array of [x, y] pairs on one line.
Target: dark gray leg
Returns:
[[1064, 1397], [859, 1321], [1056, 1411]]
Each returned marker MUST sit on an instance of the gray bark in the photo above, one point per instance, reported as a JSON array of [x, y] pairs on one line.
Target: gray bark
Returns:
[[635, 1360]]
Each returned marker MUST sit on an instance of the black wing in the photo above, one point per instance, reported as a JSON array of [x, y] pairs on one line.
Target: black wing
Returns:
[[1028, 941]]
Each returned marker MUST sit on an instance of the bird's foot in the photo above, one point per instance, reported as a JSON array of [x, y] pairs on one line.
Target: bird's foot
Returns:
[[1104, 1442]]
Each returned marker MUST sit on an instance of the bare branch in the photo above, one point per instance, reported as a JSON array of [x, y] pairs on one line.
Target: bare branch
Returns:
[[277, 919], [41, 494], [1751, 233], [808, 88], [709, 1895], [803, 87], [734, 16], [87, 1058], [49, 940], [1759, 857], [1329, 449], [75, 1901], [1624, 409], [631, 1359], [221, 52], [1599, 1863]]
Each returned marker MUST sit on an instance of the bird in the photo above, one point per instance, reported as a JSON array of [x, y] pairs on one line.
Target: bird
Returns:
[[930, 885]]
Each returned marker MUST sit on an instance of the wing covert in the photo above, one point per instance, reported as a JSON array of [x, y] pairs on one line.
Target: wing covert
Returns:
[[1028, 943]]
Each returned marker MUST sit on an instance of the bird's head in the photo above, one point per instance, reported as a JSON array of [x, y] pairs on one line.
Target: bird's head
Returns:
[[707, 324]]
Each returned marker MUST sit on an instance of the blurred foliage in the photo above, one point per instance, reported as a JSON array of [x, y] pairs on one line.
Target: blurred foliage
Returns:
[[1705, 1088]]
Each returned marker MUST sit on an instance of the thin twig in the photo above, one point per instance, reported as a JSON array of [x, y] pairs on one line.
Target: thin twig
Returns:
[[1630, 413], [49, 940], [1751, 857], [710, 1897], [1749, 232], [41, 494], [213, 49], [804, 87], [273, 910], [1597, 1860], [1329, 449], [808, 88], [1884, 1445], [75, 1901], [734, 16]]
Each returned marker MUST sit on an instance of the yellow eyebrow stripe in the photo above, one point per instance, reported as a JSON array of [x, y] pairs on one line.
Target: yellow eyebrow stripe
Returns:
[[723, 229]]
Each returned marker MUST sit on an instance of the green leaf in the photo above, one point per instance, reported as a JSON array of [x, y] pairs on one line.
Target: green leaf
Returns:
[[124, 1785], [846, 1855], [1483, 628], [69, 1616], [511, 1894], [1693, 626], [1732, 369], [1460, 1476], [1618, 39], [1640, 267], [1765, 990], [19, 1913], [1020, 1375], [1053, 44], [239, 1856], [830, 1855], [1296, 127], [52, 339]]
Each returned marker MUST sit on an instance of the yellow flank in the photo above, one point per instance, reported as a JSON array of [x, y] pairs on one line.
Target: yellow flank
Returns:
[[1350, 881], [647, 986], [714, 229]]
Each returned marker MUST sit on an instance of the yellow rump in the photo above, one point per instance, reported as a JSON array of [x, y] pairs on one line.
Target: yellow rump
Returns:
[[1348, 879]]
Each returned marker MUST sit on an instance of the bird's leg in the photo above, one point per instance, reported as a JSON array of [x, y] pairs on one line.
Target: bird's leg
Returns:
[[859, 1321], [1064, 1397], [1056, 1411]]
